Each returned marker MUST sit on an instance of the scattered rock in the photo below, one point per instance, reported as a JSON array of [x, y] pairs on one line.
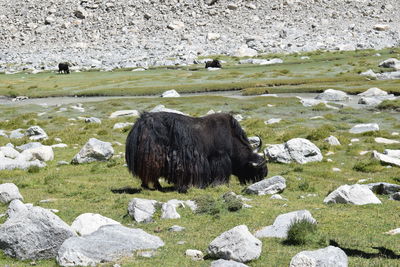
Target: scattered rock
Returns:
[[170, 93], [299, 150], [386, 141], [176, 228], [393, 232], [282, 223], [352, 194], [195, 255], [390, 63], [363, 128], [94, 150], [332, 140], [373, 92], [88, 223], [333, 95], [226, 263], [245, 51], [109, 243], [124, 113], [93, 120], [9, 192], [121, 125], [324, 257], [272, 121], [162, 108], [237, 244], [168, 211], [142, 210], [32, 232], [386, 159], [273, 185]]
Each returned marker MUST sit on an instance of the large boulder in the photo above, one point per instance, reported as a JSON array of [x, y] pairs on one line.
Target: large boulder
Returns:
[[9, 152], [373, 92], [390, 63], [394, 153], [170, 93], [32, 232], [28, 146], [384, 188], [385, 159], [9, 192], [94, 150], [42, 153], [299, 150], [352, 194], [324, 257], [282, 223], [109, 243], [363, 128], [237, 244], [333, 95], [88, 223], [36, 133], [16, 134], [142, 210], [273, 185], [245, 51], [11, 164]]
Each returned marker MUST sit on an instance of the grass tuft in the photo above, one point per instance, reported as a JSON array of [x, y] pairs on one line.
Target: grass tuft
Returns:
[[301, 232]]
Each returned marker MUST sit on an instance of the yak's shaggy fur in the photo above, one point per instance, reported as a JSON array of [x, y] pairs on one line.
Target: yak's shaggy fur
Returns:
[[190, 151]]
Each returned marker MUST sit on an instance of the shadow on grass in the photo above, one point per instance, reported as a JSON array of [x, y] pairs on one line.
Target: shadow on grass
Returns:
[[383, 252], [131, 190]]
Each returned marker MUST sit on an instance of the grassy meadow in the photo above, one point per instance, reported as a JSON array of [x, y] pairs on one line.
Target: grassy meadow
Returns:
[[77, 189]]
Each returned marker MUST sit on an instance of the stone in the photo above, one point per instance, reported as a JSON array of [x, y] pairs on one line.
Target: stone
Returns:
[[369, 73], [142, 210], [311, 102], [381, 140], [395, 196], [245, 51], [211, 36], [390, 63], [176, 228], [352, 194], [29, 146], [194, 254], [363, 128], [36, 133], [333, 95], [386, 159], [168, 211], [394, 153], [176, 25], [325, 257], [227, 263], [9, 152], [237, 244], [282, 223], [381, 27], [80, 13], [109, 243], [170, 93], [273, 185], [374, 91], [272, 121], [121, 125], [94, 150], [277, 197], [162, 108], [393, 232], [42, 153], [332, 140], [9, 192], [88, 223], [16, 134], [254, 141], [93, 120], [32, 232], [124, 113], [3, 133]]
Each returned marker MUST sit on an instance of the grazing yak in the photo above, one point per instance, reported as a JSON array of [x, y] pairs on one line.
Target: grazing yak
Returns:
[[190, 151], [63, 68], [213, 64]]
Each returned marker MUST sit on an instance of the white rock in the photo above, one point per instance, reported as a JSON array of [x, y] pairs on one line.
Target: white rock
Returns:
[[386, 159], [272, 121], [245, 51], [211, 36], [88, 223], [142, 210], [393, 232], [162, 108], [237, 244], [94, 150], [9, 152], [390, 63], [195, 255], [386, 141], [273, 185], [36, 133], [363, 128], [325, 257], [333, 95], [9, 192], [168, 211], [170, 93], [282, 224], [373, 92], [394, 153], [332, 140], [352, 194], [226, 263], [176, 25], [124, 113], [121, 125], [42, 153]]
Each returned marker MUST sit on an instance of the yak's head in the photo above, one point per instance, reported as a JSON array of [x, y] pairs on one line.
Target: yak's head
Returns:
[[252, 167]]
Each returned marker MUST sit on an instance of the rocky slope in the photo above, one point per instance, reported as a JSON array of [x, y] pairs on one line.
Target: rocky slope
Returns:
[[108, 34]]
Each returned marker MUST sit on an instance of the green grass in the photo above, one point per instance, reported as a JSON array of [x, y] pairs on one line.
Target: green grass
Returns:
[[337, 70], [77, 189]]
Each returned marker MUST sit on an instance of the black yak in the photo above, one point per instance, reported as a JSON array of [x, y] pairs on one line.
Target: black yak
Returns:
[[213, 64], [63, 68], [190, 151]]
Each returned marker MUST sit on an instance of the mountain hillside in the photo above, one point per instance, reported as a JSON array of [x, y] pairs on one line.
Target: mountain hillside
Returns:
[[109, 34]]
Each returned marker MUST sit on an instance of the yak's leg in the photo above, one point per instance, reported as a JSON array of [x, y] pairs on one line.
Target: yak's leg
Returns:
[[157, 185], [145, 186], [183, 189]]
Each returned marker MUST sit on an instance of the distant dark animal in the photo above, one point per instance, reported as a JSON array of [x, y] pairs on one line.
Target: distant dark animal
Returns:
[[213, 64], [63, 68], [190, 151]]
